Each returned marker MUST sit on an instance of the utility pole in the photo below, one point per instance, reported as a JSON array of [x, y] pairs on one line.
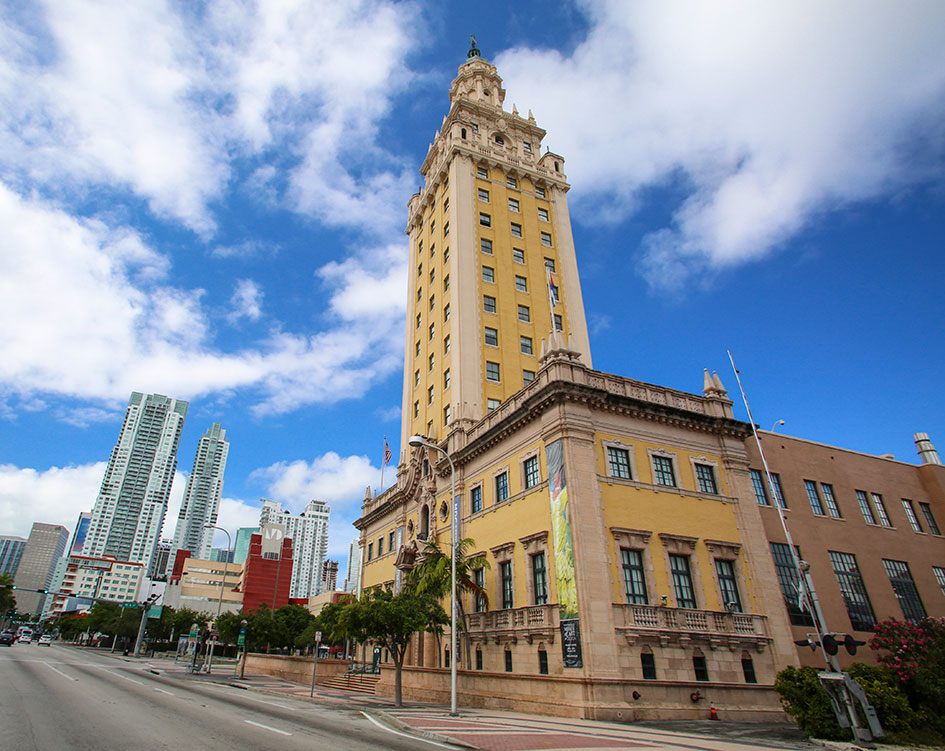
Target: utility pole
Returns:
[[146, 608]]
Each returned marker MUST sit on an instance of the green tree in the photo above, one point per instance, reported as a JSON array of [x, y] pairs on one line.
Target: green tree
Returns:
[[7, 598], [432, 576], [263, 630], [389, 620], [295, 619], [328, 622]]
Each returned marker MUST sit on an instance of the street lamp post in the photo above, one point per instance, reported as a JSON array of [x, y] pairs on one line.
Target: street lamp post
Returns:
[[229, 544], [419, 440]]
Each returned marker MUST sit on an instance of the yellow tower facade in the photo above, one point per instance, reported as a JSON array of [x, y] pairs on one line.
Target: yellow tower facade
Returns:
[[490, 235]]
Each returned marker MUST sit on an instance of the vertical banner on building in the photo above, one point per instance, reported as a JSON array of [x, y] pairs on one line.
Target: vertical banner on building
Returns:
[[564, 556], [398, 574]]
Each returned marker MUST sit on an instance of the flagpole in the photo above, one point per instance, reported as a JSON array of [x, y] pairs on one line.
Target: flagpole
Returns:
[[383, 462], [552, 297]]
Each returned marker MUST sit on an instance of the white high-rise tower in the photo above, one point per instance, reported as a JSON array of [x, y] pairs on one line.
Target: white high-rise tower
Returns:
[[129, 512], [309, 533], [202, 496]]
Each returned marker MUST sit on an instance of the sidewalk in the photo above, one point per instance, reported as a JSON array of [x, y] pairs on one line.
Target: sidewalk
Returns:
[[494, 730]]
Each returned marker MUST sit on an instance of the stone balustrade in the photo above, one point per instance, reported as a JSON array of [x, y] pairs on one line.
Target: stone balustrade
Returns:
[[666, 625], [531, 623]]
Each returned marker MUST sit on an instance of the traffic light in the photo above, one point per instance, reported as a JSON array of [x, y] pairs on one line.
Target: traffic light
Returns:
[[850, 644], [831, 644]]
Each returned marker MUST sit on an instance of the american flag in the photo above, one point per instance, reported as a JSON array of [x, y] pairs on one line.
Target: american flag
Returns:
[[552, 288], [387, 454]]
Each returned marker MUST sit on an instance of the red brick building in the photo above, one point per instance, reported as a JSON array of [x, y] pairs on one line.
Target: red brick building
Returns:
[[266, 577]]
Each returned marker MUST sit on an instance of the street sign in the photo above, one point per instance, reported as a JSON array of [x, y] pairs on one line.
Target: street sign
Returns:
[[318, 636], [241, 639]]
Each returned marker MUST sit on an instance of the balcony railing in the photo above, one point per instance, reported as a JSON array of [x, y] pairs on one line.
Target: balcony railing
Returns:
[[647, 622], [529, 623]]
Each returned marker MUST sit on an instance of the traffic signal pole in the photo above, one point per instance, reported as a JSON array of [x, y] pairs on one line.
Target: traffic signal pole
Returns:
[[843, 690]]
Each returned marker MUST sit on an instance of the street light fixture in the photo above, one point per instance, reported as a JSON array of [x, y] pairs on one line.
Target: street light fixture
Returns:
[[419, 440], [222, 583], [776, 424]]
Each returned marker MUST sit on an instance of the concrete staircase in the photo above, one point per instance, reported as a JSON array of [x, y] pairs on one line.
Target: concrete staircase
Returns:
[[358, 683]]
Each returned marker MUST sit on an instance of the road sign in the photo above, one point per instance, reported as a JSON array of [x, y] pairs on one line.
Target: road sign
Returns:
[[318, 636], [241, 639]]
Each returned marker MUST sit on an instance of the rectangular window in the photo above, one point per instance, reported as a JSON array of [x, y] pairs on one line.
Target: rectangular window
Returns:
[[416, 410], [881, 510], [539, 579], [446, 312], [648, 666], [532, 473], [419, 320], [832, 508], [546, 239], [788, 579], [483, 195], [705, 479], [505, 576], [508, 661], [526, 345], [663, 473], [432, 227], [516, 229], [416, 378], [478, 659], [432, 330], [485, 246], [542, 662], [748, 670], [521, 284], [446, 415], [700, 668], [518, 255], [480, 171], [758, 484], [539, 191], [446, 344], [543, 215], [634, 577], [479, 577], [492, 337], [492, 404], [431, 360], [501, 487], [390, 541], [527, 377], [682, 581], [430, 395], [524, 314], [446, 280], [929, 519], [446, 378], [903, 585], [526, 147], [511, 182], [446, 229], [853, 590], [475, 501], [380, 546], [432, 275], [550, 264], [939, 572], [910, 512], [728, 585], [778, 493], [814, 498], [559, 324], [446, 258], [865, 508], [370, 550], [513, 205], [485, 220], [488, 303], [618, 462], [488, 274], [432, 302]]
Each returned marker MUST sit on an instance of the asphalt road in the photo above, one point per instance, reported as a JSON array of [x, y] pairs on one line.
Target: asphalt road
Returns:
[[56, 697]]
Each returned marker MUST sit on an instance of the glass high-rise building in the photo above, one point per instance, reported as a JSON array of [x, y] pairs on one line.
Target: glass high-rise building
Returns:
[[202, 496], [11, 548], [44, 548], [129, 512]]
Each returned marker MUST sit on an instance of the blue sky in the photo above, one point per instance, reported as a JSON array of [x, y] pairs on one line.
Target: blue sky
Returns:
[[207, 200]]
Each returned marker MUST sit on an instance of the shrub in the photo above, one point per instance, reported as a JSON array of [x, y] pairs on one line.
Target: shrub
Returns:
[[804, 699]]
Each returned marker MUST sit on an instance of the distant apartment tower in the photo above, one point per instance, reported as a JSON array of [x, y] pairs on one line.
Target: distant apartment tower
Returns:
[[353, 575], [202, 496], [309, 534], [80, 533], [241, 546], [129, 511], [43, 549], [11, 549], [329, 576], [161, 562]]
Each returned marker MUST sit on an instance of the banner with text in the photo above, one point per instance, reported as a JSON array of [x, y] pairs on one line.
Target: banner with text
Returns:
[[564, 556]]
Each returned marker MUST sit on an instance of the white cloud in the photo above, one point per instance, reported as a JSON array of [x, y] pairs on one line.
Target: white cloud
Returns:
[[764, 115], [368, 287], [233, 514], [340, 481], [53, 496], [246, 301]]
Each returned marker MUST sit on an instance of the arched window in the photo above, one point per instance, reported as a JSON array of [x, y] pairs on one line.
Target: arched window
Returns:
[[463, 133], [424, 522], [499, 140]]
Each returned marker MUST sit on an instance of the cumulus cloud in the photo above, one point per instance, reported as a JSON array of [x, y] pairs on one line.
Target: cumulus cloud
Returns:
[[762, 116], [340, 481], [52, 496], [246, 301]]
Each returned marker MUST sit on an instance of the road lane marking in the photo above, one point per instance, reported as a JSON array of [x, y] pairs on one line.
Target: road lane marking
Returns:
[[67, 677], [243, 697], [266, 727], [119, 675], [164, 692], [406, 735]]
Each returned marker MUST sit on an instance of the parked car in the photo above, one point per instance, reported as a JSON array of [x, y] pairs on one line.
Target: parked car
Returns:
[[7, 638], [24, 639], [45, 640]]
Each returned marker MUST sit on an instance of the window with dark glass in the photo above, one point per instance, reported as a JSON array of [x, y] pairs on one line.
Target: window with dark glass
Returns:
[[700, 668], [539, 191], [505, 576], [748, 670], [478, 659], [492, 371], [480, 171], [488, 304], [929, 518], [542, 215], [559, 325], [524, 314], [881, 511], [634, 577], [511, 182], [532, 473], [540, 579], [475, 499], [910, 513], [527, 377], [705, 479], [485, 245], [516, 229], [508, 661], [682, 581], [488, 274], [865, 508], [501, 487], [758, 484], [546, 239], [479, 577], [618, 461], [518, 255], [832, 508], [521, 284], [483, 195], [788, 579], [648, 665], [728, 585], [814, 498], [778, 493], [485, 220], [542, 662], [663, 473], [525, 342], [514, 206], [853, 590], [904, 586], [492, 337]]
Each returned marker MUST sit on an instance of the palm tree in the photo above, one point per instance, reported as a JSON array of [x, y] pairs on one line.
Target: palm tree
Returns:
[[432, 576]]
